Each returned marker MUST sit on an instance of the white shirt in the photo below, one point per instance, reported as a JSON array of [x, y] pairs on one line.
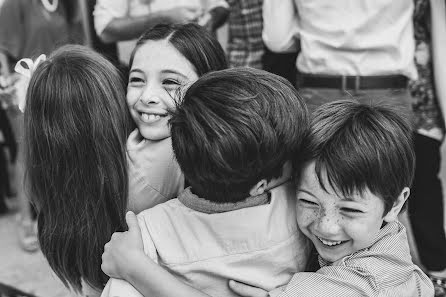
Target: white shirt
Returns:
[[259, 245], [343, 37], [106, 10]]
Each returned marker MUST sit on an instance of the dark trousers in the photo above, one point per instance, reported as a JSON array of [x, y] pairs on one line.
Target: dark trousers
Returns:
[[425, 204], [282, 64]]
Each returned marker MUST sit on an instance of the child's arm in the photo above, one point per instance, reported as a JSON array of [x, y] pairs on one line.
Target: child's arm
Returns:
[[124, 258], [246, 290]]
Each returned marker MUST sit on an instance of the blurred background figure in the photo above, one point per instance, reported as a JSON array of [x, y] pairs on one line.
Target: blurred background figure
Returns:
[[29, 28], [362, 49], [426, 210], [123, 21], [245, 47]]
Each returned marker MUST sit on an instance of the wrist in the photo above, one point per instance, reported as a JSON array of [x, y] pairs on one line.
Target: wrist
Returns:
[[136, 265]]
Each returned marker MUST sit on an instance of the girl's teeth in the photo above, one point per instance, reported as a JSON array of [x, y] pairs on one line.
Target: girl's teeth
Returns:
[[149, 117], [330, 243]]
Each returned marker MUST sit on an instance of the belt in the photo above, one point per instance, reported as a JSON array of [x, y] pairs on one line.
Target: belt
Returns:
[[352, 82]]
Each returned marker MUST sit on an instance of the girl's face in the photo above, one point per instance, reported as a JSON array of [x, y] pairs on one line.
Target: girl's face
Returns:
[[157, 72]]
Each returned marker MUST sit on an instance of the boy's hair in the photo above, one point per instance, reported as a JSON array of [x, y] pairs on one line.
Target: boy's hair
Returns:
[[234, 128], [361, 146], [76, 127], [194, 42]]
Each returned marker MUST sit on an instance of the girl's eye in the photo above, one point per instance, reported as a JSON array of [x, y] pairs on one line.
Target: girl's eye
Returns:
[[171, 82], [135, 80]]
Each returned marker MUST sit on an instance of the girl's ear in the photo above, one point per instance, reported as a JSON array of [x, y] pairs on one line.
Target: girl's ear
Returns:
[[258, 188], [392, 215]]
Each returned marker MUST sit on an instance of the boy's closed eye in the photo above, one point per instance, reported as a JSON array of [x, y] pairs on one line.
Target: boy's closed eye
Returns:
[[307, 202]]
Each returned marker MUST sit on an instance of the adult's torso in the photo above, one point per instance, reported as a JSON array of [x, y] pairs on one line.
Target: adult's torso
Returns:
[[356, 37]]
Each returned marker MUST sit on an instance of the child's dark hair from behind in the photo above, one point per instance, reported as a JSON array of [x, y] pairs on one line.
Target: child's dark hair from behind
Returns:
[[76, 127], [234, 128], [361, 146]]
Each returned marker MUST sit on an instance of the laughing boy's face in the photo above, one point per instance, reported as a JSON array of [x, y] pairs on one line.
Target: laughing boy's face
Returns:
[[337, 226]]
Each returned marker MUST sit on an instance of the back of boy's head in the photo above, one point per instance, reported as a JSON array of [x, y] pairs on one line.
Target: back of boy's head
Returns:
[[361, 146], [76, 126], [235, 127]]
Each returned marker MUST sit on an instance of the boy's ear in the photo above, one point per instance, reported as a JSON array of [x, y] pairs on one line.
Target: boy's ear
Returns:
[[258, 188], [392, 215]]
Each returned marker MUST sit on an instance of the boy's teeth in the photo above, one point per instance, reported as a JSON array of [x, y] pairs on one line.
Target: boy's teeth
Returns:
[[330, 243]]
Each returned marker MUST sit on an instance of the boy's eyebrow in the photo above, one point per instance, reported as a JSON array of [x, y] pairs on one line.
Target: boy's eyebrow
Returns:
[[305, 191]]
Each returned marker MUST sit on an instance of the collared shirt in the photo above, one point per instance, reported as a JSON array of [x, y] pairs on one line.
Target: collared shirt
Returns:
[[258, 245], [245, 45], [383, 269], [106, 10], [343, 37]]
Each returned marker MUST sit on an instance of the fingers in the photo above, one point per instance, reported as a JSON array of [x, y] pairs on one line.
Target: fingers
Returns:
[[135, 140], [246, 291], [132, 223]]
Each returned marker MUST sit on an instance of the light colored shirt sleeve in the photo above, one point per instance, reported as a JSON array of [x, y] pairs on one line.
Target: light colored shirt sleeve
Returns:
[[280, 25], [329, 281], [106, 10], [122, 288], [216, 3]]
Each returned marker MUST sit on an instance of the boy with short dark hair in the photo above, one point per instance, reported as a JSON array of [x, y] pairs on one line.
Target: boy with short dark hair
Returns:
[[358, 164], [234, 135]]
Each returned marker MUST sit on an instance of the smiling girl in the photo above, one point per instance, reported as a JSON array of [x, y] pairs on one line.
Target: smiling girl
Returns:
[[165, 59]]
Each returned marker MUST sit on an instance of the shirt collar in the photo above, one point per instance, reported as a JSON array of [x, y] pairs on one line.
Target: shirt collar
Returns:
[[190, 200]]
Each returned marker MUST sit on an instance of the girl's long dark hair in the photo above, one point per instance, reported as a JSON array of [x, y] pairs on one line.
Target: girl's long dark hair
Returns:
[[76, 127]]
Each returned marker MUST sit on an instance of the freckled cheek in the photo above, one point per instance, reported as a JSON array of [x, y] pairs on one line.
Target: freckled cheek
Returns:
[[306, 217]]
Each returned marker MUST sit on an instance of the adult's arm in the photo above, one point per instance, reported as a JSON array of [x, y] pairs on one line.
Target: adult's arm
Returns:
[[113, 22], [280, 25], [438, 16], [12, 32], [4, 64]]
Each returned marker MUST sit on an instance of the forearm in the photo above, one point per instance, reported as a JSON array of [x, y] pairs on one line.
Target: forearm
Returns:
[[152, 280], [438, 16], [4, 64], [127, 28], [280, 25]]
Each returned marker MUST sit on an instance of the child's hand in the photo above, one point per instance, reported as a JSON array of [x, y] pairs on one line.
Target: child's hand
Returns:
[[123, 250], [135, 140], [247, 291]]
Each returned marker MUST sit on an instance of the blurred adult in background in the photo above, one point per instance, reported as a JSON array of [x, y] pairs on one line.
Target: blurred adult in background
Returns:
[[29, 28], [362, 49], [245, 46], [426, 210], [125, 20]]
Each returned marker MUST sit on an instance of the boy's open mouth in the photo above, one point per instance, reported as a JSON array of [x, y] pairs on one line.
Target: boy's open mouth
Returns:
[[331, 243]]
